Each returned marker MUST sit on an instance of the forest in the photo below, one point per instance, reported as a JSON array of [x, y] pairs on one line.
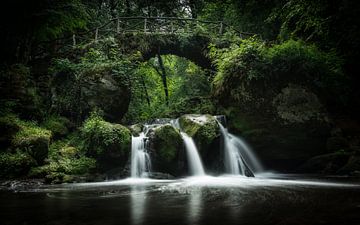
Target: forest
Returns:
[[101, 90]]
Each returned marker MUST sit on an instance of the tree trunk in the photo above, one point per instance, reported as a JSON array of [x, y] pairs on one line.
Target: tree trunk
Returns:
[[163, 78]]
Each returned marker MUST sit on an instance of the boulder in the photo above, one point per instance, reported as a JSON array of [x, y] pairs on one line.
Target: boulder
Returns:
[[336, 143], [136, 129], [34, 140], [76, 96], [15, 164], [325, 164], [286, 125], [166, 150], [205, 131], [352, 166], [108, 143]]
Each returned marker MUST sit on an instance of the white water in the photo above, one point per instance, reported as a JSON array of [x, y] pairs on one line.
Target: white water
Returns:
[[194, 161], [238, 154], [140, 159]]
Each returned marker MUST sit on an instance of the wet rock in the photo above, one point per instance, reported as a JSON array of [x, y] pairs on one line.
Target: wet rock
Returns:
[[166, 150], [158, 175], [336, 144], [136, 129], [108, 143], [326, 164], [352, 166], [76, 97], [206, 134]]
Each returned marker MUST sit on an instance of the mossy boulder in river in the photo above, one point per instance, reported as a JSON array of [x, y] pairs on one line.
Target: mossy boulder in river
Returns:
[[34, 140], [109, 143], [205, 131], [167, 150]]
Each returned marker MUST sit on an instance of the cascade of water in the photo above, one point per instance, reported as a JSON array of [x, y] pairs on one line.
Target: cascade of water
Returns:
[[140, 159], [239, 159], [194, 161]]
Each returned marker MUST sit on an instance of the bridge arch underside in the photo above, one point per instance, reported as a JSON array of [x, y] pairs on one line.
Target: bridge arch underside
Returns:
[[191, 47]]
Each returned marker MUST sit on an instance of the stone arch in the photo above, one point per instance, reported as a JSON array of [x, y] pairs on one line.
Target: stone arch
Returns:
[[191, 47]]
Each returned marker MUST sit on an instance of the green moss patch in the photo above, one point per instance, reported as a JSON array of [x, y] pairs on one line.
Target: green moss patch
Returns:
[[167, 142]]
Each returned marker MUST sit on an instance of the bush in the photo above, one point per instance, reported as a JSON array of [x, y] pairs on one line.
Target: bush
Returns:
[[252, 62], [64, 161], [15, 164], [100, 136], [32, 139], [57, 125]]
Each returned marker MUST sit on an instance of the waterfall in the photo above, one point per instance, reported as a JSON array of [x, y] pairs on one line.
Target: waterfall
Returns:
[[194, 161], [140, 159], [238, 157]]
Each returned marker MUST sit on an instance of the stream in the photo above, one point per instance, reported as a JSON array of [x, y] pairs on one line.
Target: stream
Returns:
[[266, 199]]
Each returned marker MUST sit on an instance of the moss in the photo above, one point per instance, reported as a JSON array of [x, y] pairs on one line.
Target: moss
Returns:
[[136, 129], [188, 125], [203, 128], [57, 125], [167, 142], [9, 126], [15, 164], [32, 139], [100, 136], [206, 134]]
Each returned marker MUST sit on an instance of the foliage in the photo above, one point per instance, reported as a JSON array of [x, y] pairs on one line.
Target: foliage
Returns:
[[252, 61], [57, 125], [66, 158], [75, 82], [15, 164], [99, 136], [188, 87], [28, 132]]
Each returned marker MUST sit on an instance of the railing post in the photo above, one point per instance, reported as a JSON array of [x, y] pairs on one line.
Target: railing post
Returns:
[[145, 21], [118, 26], [172, 26], [96, 34], [221, 28], [74, 40]]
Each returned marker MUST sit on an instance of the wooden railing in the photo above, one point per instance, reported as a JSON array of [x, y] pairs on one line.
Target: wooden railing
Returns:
[[159, 25], [145, 25]]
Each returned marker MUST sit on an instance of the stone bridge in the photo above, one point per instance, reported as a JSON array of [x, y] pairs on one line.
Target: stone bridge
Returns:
[[184, 37]]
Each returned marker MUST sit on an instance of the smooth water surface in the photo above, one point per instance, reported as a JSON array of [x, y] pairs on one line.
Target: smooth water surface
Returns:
[[196, 200]]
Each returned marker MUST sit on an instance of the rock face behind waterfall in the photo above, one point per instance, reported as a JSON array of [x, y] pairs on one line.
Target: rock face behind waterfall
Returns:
[[167, 150], [205, 131], [76, 96]]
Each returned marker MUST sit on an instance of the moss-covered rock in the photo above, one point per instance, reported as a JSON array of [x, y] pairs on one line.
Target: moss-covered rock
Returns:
[[9, 126], [32, 139], [166, 149], [203, 128], [59, 126], [78, 89], [15, 164], [167, 142], [206, 133], [136, 129], [65, 161], [109, 143]]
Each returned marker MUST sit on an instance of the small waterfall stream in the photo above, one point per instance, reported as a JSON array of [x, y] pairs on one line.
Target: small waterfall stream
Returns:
[[238, 157], [194, 161], [140, 159]]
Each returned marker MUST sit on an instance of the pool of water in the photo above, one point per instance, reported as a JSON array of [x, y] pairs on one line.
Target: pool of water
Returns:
[[266, 199]]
